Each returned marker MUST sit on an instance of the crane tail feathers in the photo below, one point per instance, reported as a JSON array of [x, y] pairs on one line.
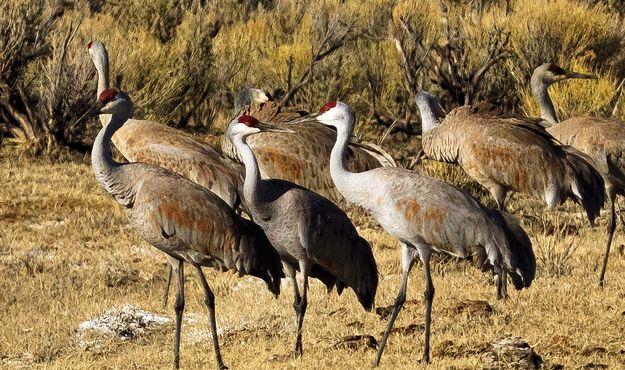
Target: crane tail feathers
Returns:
[[516, 250], [587, 185]]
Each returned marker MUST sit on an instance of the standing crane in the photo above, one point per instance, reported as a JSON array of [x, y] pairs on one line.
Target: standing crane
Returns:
[[310, 233], [426, 214], [164, 146], [304, 157], [509, 154], [601, 139], [186, 221]]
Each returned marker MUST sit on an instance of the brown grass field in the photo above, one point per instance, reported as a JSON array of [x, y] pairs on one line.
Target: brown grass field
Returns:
[[66, 255]]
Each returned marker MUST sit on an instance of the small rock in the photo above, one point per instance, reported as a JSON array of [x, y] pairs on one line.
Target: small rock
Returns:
[[123, 323], [511, 352]]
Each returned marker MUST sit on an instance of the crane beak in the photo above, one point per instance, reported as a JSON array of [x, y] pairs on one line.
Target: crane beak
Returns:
[[312, 117], [580, 76], [93, 111], [267, 127]]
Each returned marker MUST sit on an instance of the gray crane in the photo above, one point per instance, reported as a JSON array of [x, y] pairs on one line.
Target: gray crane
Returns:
[[601, 139], [310, 233], [164, 146], [507, 153], [186, 221], [301, 158], [426, 215]]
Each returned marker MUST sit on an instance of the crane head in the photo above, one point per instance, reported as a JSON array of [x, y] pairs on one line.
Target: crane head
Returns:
[[111, 101], [337, 114], [246, 125], [426, 99], [99, 55], [550, 73]]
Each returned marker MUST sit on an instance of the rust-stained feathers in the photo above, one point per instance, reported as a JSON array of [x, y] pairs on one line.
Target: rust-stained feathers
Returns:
[[506, 153], [184, 220], [303, 157]]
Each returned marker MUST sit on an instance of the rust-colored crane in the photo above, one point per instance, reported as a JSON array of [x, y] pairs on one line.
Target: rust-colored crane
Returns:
[[601, 139], [164, 146], [427, 215], [184, 220], [506, 153], [303, 157]]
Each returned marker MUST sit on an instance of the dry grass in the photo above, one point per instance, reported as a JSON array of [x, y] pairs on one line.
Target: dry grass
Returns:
[[66, 255]]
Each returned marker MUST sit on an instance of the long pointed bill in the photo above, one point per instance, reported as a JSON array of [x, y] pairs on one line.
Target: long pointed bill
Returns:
[[93, 111], [267, 127], [580, 75], [312, 117]]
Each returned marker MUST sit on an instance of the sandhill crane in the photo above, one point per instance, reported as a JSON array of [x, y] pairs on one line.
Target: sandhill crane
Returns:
[[302, 158], [310, 233], [509, 154], [425, 215], [163, 146], [186, 221], [601, 139]]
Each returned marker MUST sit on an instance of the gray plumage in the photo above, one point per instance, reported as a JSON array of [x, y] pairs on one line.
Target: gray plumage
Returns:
[[186, 221], [506, 153], [310, 233], [426, 214], [601, 140]]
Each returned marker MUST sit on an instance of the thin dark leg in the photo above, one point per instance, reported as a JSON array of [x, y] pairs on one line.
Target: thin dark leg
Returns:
[[300, 305], [408, 256], [429, 297], [170, 272], [502, 283], [179, 308], [209, 300], [611, 228]]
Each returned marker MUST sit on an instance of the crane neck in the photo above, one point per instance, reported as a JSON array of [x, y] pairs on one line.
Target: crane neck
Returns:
[[106, 169], [338, 160], [252, 183], [429, 119], [102, 66], [101, 62], [541, 94]]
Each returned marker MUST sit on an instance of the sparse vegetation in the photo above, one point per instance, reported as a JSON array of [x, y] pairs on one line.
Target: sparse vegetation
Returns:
[[66, 254], [182, 63]]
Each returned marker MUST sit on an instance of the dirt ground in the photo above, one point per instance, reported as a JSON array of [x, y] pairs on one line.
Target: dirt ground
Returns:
[[67, 255]]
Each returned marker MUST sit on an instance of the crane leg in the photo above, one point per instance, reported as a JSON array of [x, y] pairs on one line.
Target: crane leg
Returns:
[[170, 271], [409, 256], [172, 262], [425, 253], [611, 229], [179, 308], [300, 305], [502, 283], [209, 300]]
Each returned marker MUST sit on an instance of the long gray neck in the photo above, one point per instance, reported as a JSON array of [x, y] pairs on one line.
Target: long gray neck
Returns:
[[539, 90], [341, 176], [252, 183], [103, 75], [429, 119], [101, 62], [106, 169], [338, 159]]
